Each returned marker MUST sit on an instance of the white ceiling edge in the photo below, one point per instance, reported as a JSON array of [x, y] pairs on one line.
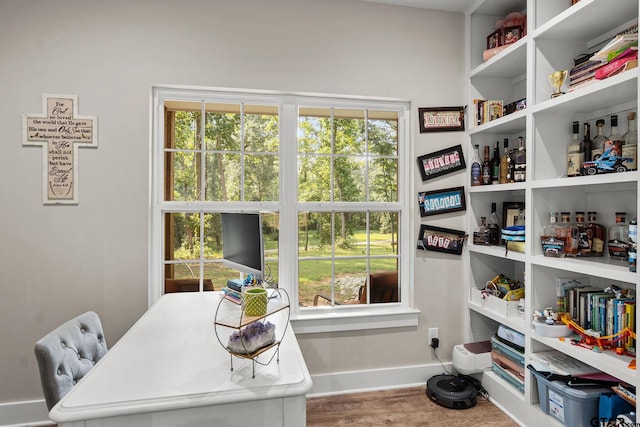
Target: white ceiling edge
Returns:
[[446, 5]]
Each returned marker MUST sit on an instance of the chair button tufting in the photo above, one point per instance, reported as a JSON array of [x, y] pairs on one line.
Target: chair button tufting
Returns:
[[82, 330], [63, 344], [79, 356], [59, 372], [74, 382]]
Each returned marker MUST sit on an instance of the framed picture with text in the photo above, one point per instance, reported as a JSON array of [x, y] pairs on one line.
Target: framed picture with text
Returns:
[[441, 201], [440, 239], [441, 119], [441, 162]]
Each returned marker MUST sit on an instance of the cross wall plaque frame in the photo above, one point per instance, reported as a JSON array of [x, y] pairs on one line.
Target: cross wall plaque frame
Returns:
[[60, 130]]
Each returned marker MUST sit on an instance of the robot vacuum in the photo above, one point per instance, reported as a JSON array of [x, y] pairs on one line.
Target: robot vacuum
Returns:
[[451, 391]]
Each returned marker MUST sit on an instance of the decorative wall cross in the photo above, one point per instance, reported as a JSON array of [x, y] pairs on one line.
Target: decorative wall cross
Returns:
[[61, 131]]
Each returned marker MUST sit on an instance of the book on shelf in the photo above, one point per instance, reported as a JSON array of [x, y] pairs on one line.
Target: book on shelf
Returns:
[[630, 322], [559, 363], [487, 110], [618, 65], [582, 83], [616, 46], [584, 68], [232, 295]]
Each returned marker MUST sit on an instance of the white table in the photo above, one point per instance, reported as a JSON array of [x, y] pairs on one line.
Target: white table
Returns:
[[170, 370]]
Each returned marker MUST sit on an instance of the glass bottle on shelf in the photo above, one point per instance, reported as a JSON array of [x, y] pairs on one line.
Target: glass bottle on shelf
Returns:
[[575, 152], [584, 250], [495, 164], [505, 167], [476, 167], [615, 140], [597, 234], [597, 146], [552, 239], [570, 235], [493, 224], [630, 143], [481, 233], [586, 142], [520, 166], [619, 238], [486, 167], [633, 244]]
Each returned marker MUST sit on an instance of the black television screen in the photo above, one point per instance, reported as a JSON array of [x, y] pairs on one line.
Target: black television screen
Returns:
[[242, 243]]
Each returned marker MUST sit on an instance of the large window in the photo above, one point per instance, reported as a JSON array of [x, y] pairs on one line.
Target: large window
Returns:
[[326, 173]]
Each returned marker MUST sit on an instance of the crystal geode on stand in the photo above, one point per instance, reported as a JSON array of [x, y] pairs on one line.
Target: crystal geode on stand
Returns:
[[252, 338]]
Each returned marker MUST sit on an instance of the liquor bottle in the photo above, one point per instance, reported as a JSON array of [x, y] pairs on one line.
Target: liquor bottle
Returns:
[[486, 167], [586, 142], [476, 167], [570, 235], [597, 146], [584, 250], [614, 145], [481, 233], [520, 167], [552, 239], [505, 167], [495, 164], [597, 234], [493, 224], [630, 143], [633, 244], [619, 238], [575, 152]]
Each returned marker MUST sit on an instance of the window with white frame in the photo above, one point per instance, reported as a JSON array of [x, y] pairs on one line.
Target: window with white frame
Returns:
[[326, 173]]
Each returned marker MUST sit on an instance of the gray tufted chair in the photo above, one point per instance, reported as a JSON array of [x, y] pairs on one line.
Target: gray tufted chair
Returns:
[[66, 354]]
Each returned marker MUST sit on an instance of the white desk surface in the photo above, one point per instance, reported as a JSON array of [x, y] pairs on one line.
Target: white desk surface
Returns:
[[171, 359]]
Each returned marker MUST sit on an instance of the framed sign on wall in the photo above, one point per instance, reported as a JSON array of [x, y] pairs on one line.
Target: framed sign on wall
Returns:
[[441, 239], [441, 162], [441, 201], [60, 131], [441, 119]]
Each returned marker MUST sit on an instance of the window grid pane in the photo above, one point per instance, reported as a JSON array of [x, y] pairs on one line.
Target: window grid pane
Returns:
[[348, 172]]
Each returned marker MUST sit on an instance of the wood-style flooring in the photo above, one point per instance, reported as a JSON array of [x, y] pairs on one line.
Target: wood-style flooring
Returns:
[[405, 407]]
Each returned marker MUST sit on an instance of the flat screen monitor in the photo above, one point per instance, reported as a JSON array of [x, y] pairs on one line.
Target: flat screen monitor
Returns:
[[242, 243]]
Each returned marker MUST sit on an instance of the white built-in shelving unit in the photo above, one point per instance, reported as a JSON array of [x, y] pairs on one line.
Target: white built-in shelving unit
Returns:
[[556, 33]]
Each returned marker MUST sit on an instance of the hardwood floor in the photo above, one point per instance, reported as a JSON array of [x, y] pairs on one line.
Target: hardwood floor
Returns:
[[406, 407]]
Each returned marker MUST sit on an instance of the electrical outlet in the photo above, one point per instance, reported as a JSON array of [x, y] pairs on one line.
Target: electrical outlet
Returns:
[[433, 333]]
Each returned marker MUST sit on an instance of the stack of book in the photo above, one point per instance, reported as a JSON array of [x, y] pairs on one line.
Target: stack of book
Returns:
[[583, 74], [487, 110], [620, 54], [602, 312], [233, 291]]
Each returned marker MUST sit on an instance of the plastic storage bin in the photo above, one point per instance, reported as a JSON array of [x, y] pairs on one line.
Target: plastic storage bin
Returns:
[[574, 407]]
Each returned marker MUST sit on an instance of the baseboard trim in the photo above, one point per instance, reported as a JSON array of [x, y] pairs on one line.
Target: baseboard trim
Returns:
[[34, 412], [373, 379], [28, 413]]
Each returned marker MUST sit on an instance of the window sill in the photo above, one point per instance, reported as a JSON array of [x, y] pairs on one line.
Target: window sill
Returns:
[[318, 321]]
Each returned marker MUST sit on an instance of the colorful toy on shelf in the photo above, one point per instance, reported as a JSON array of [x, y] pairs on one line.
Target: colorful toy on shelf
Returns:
[[594, 340], [503, 287], [610, 161], [548, 316]]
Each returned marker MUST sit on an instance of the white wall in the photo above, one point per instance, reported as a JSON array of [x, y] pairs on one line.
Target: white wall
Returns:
[[58, 261]]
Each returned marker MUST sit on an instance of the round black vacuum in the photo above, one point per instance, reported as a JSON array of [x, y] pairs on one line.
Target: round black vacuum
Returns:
[[452, 391]]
